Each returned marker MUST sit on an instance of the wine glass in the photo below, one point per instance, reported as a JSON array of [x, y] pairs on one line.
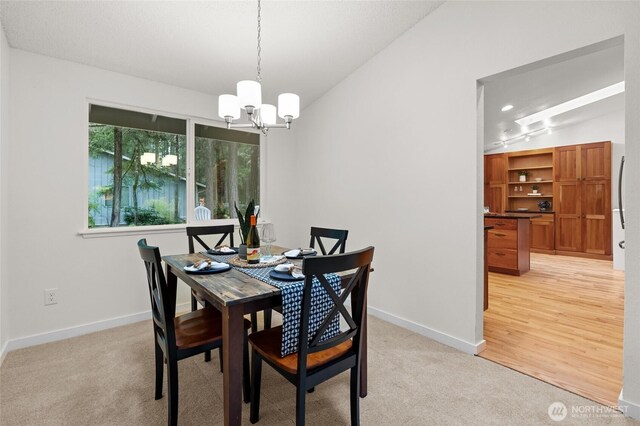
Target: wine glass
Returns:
[[268, 236]]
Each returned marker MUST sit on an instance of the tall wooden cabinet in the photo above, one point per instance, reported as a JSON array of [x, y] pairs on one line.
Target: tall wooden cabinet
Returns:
[[495, 179], [583, 199]]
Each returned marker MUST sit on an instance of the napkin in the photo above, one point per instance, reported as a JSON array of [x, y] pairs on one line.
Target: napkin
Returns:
[[225, 249], [207, 264], [287, 268], [298, 252]]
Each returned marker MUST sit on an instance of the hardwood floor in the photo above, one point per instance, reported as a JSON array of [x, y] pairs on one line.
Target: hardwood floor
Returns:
[[561, 322]]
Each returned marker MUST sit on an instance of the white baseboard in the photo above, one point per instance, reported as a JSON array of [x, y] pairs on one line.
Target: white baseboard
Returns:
[[438, 336], [630, 409], [66, 333]]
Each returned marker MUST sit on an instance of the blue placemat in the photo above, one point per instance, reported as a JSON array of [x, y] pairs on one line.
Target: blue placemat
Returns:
[[292, 305]]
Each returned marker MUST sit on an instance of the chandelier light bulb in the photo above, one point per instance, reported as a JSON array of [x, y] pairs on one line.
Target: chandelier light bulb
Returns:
[[169, 160], [249, 94], [228, 106], [288, 105], [268, 114]]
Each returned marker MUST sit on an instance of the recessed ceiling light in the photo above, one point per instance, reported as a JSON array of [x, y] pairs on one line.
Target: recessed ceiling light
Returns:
[[506, 108], [589, 98]]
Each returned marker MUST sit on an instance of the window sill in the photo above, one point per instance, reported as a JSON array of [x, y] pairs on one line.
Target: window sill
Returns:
[[157, 229], [131, 230]]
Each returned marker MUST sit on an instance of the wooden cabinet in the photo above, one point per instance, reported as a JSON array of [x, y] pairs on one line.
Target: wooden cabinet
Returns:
[[583, 199], [508, 245], [495, 182], [542, 234]]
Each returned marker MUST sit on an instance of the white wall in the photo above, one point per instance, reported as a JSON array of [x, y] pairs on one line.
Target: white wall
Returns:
[[98, 278], [4, 130], [396, 158]]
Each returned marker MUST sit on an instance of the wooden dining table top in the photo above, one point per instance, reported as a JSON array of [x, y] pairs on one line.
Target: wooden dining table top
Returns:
[[229, 287]]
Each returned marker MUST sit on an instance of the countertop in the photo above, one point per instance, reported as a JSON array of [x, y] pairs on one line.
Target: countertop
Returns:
[[530, 211], [512, 215]]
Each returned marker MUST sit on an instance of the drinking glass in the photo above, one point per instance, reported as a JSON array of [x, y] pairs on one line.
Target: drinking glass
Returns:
[[268, 236]]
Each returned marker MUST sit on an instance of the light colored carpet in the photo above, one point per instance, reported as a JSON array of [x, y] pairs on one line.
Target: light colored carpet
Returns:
[[107, 378]]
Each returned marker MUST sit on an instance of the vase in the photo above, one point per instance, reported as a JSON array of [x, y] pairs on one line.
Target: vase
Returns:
[[242, 251], [523, 178]]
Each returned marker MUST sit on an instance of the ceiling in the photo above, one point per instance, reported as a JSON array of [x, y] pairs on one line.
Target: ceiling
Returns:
[[207, 46], [541, 87]]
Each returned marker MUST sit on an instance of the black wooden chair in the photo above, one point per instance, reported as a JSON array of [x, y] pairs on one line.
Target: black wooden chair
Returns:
[[180, 337], [316, 235], [195, 233], [316, 361], [335, 234]]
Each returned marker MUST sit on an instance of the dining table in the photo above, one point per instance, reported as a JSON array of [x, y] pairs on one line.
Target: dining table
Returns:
[[236, 294]]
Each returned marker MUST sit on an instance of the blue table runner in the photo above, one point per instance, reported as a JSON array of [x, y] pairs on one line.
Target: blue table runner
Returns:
[[321, 305]]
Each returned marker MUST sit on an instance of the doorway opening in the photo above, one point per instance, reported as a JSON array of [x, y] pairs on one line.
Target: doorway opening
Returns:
[[556, 281]]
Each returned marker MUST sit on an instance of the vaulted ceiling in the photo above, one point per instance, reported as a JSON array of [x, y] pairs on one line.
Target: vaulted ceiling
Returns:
[[307, 46]]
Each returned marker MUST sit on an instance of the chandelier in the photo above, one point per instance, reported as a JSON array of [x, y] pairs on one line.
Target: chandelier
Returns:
[[249, 97]]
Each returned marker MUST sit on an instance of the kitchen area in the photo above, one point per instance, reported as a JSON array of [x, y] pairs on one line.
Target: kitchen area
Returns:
[[554, 233]]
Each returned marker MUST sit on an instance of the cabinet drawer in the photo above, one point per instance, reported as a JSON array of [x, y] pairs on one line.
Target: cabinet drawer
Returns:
[[544, 218], [501, 223], [503, 258], [502, 239]]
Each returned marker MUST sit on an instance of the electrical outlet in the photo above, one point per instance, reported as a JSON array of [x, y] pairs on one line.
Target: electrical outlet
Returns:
[[51, 296]]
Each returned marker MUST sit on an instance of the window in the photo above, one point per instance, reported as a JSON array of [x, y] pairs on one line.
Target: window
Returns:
[[227, 171], [138, 170], [137, 166]]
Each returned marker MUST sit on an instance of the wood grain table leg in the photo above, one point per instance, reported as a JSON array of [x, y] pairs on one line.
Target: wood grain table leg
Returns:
[[232, 336], [172, 284]]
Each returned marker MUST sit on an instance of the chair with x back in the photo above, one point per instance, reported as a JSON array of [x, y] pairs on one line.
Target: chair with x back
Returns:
[[196, 233], [317, 234], [179, 337], [316, 361]]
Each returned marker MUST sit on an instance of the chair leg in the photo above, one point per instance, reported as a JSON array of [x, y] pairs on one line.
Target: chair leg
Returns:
[[194, 303], [220, 356], [207, 356], [354, 395], [256, 377], [301, 394], [254, 322], [311, 390], [159, 370], [246, 385], [267, 318], [172, 386]]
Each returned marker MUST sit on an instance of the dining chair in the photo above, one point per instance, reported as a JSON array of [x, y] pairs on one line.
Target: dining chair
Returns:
[[195, 233], [317, 234], [317, 361], [180, 337]]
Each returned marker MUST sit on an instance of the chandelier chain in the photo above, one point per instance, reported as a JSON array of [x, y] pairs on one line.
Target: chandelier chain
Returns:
[[259, 48]]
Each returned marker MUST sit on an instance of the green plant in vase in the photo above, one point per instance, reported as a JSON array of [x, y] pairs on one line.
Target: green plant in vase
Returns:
[[535, 189], [523, 175], [245, 225]]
